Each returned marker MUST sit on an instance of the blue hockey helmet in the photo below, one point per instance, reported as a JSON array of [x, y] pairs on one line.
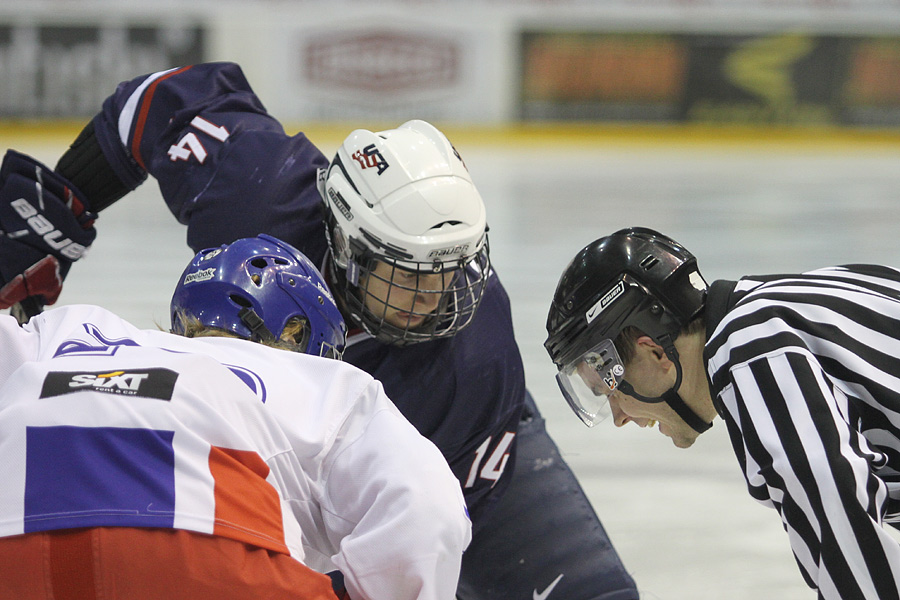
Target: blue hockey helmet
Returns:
[[252, 288]]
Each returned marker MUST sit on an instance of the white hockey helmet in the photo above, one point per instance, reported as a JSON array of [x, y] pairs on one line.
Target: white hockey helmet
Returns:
[[404, 197]]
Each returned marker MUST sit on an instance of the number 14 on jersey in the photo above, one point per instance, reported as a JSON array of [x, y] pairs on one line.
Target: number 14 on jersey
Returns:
[[495, 464]]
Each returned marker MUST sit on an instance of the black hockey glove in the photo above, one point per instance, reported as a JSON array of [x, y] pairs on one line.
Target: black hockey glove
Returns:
[[44, 227]]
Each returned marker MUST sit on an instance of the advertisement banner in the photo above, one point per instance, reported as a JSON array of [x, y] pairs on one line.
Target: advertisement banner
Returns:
[[389, 71], [786, 78], [872, 90], [66, 71], [605, 76], [782, 79]]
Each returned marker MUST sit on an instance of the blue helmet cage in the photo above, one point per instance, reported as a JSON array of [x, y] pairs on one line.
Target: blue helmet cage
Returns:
[[252, 288]]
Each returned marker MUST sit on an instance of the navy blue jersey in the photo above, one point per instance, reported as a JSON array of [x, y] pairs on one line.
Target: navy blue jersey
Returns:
[[228, 170]]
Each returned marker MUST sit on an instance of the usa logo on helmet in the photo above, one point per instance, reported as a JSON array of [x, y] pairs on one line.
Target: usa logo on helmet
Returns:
[[370, 156]]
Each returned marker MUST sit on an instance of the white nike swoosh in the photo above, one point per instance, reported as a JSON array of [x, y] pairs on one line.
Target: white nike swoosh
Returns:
[[543, 595]]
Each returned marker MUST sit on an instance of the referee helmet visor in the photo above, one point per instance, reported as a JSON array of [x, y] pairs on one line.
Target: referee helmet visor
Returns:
[[589, 380]]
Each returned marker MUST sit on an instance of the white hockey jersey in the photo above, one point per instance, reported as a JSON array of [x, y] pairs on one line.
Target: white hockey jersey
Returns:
[[103, 424]]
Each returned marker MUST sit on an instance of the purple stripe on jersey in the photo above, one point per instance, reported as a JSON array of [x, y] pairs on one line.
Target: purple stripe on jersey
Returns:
[[98, 476]]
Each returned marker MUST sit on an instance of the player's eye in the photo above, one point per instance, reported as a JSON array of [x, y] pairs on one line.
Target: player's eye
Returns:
[[404, 276]]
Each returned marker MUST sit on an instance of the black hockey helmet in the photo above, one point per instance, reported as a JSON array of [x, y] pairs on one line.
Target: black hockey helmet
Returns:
[[634, 277]]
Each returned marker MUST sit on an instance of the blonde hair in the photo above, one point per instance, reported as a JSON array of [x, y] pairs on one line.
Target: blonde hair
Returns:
[[290, 337]]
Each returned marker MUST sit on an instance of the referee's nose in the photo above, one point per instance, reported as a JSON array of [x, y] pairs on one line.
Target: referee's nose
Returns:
[[619, 416]]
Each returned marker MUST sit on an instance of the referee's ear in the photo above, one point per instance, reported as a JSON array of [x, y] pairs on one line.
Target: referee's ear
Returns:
[[648, 350], [646, 343]]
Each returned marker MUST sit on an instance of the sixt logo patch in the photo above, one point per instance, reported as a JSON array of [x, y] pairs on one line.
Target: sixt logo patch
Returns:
[[369, 157], [202, 275], [145, 383], [607, 299], [452, 250], [341, 204]]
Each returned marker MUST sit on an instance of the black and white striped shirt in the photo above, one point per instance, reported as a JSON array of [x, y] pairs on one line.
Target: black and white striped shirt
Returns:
[[805, 371]]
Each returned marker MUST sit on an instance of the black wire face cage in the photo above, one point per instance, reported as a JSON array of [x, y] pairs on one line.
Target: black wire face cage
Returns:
[[416, 302]]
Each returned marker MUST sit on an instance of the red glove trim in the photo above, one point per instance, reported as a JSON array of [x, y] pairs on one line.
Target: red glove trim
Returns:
[[40, 279]]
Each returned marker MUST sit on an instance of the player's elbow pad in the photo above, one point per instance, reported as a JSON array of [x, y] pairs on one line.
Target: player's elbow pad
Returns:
[[89, 170]]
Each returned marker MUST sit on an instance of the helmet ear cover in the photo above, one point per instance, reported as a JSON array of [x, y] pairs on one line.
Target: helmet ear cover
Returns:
[[340, 246]]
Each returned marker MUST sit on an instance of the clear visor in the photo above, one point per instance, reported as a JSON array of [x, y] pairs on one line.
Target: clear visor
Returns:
[[588, 381]]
